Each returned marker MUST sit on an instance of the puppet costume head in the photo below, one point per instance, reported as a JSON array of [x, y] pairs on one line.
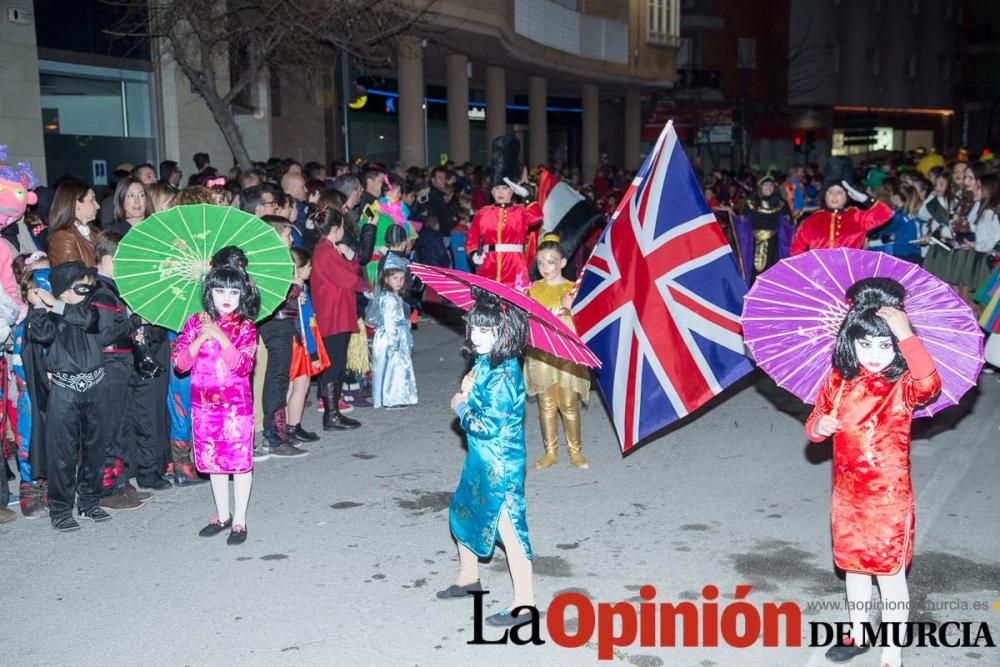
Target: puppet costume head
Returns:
[[861, 322], [508, 322], [15, 189]]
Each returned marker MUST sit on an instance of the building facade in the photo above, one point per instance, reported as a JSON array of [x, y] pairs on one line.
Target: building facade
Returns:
[[769, 83], [567, 76], [979, 75]]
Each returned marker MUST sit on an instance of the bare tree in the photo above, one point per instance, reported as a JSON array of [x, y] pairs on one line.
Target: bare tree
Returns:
[[224, 46]]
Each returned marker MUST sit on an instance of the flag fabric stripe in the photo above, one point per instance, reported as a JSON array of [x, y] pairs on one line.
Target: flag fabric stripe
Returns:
[[561, 199], [659, 300]]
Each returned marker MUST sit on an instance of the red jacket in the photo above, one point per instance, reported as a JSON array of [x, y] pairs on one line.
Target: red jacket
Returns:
[[334, 281], [838, 229], [502, 226]]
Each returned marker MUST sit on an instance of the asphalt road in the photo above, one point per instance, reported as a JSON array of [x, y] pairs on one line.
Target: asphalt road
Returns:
[[347, 547]]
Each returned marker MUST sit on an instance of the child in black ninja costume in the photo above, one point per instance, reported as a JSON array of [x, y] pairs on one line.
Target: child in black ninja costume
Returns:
[[71, 328]]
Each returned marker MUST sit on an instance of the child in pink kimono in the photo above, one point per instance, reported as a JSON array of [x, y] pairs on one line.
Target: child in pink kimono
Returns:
[[218, 347]]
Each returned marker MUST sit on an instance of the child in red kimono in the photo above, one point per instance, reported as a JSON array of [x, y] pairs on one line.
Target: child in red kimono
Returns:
[[881, 373]]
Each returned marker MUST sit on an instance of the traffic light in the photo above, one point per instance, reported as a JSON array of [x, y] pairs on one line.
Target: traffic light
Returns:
[[798, 143], [810, 141]]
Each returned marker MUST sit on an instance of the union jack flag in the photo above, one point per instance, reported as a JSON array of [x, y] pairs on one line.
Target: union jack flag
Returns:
[[660, 298]]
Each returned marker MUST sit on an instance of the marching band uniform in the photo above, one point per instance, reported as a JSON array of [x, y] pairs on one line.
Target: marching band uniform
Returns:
[[500, 233], [843, 228], [498, 236]]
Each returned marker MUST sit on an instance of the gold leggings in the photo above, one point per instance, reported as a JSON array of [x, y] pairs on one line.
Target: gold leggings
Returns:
[[552, 403], [517, 563]]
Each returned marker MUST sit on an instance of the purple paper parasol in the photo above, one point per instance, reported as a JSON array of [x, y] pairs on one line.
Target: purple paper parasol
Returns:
[[793, 312]]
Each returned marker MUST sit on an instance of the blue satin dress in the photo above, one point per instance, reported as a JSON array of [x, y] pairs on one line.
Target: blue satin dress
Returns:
[[493, 474], [393, 381]]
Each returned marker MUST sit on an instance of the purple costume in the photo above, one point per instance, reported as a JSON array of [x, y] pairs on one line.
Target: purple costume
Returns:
[[221, 397], [764, 237]]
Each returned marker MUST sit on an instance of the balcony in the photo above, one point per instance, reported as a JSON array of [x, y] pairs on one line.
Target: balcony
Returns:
[[553, 25]]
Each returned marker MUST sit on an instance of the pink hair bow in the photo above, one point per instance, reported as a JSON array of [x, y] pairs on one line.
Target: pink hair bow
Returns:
[[34, 257], [216, 182]]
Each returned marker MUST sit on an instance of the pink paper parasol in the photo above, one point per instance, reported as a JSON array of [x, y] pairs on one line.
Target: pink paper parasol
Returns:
[[546, 331], [793, 312]]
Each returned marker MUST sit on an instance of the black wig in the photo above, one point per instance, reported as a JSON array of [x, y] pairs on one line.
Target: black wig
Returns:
[[231, 277], [510, 322], [866, 297], [231, 256]]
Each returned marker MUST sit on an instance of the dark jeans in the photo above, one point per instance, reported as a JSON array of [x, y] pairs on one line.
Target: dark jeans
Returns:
[[75, 423], [336, 349], [277, 336]]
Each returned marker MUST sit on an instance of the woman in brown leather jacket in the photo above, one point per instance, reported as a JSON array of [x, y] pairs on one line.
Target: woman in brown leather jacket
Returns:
[[71, 229]]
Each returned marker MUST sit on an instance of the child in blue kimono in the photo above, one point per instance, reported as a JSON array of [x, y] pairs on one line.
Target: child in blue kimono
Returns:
[[489, 502]]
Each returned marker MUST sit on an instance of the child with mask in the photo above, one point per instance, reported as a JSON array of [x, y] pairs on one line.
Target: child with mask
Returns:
[[68, 324]]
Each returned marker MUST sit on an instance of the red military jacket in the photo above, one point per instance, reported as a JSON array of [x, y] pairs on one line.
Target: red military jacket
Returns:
[[502, 231], [845, 228]]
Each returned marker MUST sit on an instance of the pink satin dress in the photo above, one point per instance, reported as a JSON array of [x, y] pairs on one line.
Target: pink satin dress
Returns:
[[221, 396]]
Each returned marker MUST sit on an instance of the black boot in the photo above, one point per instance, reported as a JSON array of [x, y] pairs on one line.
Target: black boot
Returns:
[[332, 419], [299, 434]]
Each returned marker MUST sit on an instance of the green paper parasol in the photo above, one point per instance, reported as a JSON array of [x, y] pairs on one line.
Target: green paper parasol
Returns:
[[161, 262]]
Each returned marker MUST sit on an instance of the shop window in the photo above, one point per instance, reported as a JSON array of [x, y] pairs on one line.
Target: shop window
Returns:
[[94, 118], [82, 106]]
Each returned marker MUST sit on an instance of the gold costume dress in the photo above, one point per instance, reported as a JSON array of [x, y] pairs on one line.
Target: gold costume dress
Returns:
[[557, 383]]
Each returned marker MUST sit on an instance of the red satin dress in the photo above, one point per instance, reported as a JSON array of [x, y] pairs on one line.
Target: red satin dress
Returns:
[[503, 231], [846, 228], [872, 510]]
